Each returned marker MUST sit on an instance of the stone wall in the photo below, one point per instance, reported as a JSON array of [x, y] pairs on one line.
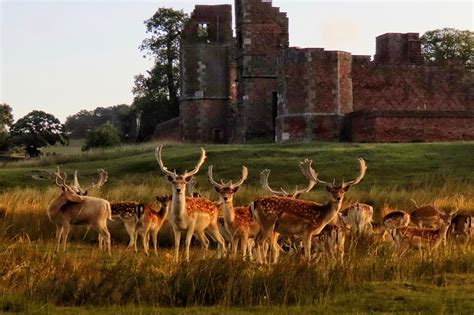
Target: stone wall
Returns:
[[410, 126], [168, 130]]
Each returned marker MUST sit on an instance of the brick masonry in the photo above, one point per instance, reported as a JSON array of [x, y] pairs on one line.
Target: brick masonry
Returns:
[[255, 86]]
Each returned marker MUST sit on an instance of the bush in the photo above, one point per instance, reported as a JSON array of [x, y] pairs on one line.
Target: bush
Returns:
[[104, 136]]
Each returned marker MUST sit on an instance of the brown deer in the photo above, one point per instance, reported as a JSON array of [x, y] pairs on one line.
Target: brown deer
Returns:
[[70, 208], [190, 215], [152, 220], [331, 240], [359, 217], [292, 216], [393, 220], [422, 238], [129, 213], [425, 216], [238, 221]]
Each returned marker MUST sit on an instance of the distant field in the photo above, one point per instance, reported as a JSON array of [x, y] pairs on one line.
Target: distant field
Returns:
[[32, 278]]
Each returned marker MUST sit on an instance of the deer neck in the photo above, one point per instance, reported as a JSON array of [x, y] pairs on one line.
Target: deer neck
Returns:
[[333, 208], [229, 213], [55, 205], [178, 204]]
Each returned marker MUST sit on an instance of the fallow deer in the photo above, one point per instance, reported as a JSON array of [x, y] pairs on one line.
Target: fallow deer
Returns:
[[331, 239], [422, 238], [425, 216], [359, 217], [293, 216], [152, 220], [129, 213], [190, 215], [70, 208], [461, 225], [238, 220], [289, 240], [393, 220]]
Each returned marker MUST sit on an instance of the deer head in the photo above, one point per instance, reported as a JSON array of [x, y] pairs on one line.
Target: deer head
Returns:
[[68, 193], [103, 176], [179, 181], [227, 190], [282, 193], [337, 191]]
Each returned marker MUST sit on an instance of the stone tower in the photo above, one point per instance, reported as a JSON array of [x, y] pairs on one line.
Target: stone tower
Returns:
[[262, 32], [207, 59]]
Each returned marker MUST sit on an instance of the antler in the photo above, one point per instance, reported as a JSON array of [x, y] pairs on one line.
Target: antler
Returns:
[[363, 168], [103, 177], [245, 174], [75, 182], [311, 174], [211, 179], [57, 175], [164, 169], [198, 165], [264, 180], [311, 182]]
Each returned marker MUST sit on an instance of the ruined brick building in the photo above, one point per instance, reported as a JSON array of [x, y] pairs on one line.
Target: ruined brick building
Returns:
[[254, 86]]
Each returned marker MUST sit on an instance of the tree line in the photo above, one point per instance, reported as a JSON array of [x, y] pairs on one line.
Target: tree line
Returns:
[[156, 92]]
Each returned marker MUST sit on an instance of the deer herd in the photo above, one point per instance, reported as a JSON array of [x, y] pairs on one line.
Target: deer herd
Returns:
[[255, 228]]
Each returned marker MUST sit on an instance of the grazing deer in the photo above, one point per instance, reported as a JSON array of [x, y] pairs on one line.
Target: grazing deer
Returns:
[[290, 241], [425, 216], [461, 225], [331, 241], [70, 208], [238, 221], [152, 220], [190, 215], [292, 216], [422, 238], [359, 217], [393, 220]]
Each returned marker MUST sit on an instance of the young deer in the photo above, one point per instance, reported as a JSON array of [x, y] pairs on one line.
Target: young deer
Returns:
[[461, 225], [293, 216], [421, 238], [152, 220], [393, 220], [129, 213], [238, 221], [331, 240], [190, 215], [70, 208]]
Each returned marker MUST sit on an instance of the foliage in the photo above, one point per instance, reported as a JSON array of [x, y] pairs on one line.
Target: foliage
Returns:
[[121, 116], [156, 92], [35, 130], [104, 136], [448, 44], [6, 119]]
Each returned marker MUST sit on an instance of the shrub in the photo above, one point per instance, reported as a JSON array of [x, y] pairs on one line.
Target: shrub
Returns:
[[104, 136]]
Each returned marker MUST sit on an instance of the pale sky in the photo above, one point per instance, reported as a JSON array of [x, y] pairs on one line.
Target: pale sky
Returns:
[[64, 56]]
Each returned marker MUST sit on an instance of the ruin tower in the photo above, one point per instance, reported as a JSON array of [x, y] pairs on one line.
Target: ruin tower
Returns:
[[262, 31], [207, 59]]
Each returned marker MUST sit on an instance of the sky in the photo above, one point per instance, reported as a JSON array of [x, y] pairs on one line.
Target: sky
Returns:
[[64, 56]]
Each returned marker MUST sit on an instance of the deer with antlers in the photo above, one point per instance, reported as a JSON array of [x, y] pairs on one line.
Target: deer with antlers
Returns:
[[238, 221], [70, 208], [190, 215], [293, 216]]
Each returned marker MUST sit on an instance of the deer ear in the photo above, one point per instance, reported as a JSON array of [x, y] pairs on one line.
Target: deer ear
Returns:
[[188, 178], [297, 196], [170, 178], [346, 188], [85, 193], [63, 188], [329, 189], [235, 189]]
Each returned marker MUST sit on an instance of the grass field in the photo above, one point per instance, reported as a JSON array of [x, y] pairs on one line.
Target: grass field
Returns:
[[33, 279]]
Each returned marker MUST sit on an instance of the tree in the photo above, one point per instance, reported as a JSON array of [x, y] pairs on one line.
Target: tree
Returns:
[[104, 136], [156, 92], [448, 44], [37, 129], [6, 120]]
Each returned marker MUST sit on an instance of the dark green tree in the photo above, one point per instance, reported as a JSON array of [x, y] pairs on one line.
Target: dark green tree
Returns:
[[156, 92], [104, 136], [448, 44], [36, 130], [6, 120]]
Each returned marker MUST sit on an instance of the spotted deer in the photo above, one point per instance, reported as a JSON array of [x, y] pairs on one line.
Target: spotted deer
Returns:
[[289, 241], [70, 208], [421, 238], [294, 216], [190, 215], [425, 216], [129, 213], [238, 221], [152, 221], [394, 219]]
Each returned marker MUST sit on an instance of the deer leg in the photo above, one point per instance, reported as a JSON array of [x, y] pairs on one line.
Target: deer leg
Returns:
[[244, 243], [307, 245], [59, 232], [177, 239], [155, 240], [130, 227], [235, 244], [145, 238], [66, 230], [213, 230], [187, 241], [203, 239], [104, 232], [275, 247]]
